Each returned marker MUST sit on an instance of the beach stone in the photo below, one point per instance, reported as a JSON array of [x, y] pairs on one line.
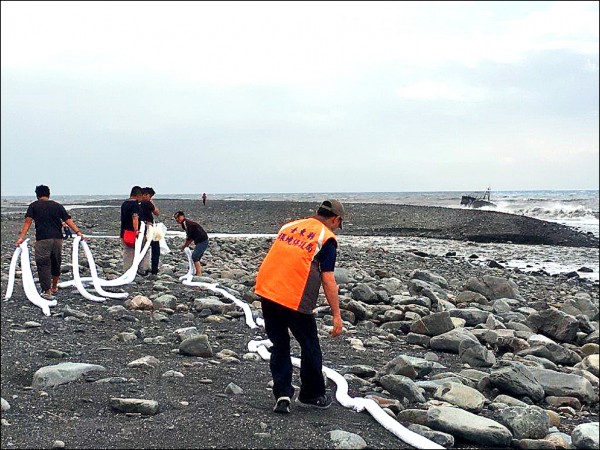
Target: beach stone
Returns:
[[475, 354], [363, 293], [418, 339], [197, 345], [591, 364], [407, 365], [55, 375], [450, 341], [5, 405], [563, 401], [554, 324], [502, 305], [393, 286], [341, 276], [471, 316], [536, 444], [402, 387], [460, 395], [538, 361], [139, 302], [444, 439], [148, 361], [564, 385], [433, 324], [493, 288], [552, 352], [516, 379], [468, 426], [361, 312], [187, 332], [508, 400], [466, 297], [429, 277], [559, 439], [592, 338], [412, 416], [432, 291], [518, 326], [233, 389], [586, 435], [165, 301], [581, 303], [345, 440], [530, 422], [213, 304], [134, 405]]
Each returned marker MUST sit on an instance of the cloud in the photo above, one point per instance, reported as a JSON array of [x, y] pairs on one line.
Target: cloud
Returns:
[[432, 90]]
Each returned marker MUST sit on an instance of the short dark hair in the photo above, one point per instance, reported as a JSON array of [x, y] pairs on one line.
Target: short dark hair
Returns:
[[325, 213], [148, 190], [42, 191], [135, 191], [178, 213]]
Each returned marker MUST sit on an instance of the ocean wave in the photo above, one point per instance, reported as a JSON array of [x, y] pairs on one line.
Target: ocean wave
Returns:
[[550, 211]]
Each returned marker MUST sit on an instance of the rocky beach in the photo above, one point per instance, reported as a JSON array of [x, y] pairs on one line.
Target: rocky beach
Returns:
[[467, 355]]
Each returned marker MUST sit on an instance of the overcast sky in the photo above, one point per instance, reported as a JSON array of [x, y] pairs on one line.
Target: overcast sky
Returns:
[[231, 97]]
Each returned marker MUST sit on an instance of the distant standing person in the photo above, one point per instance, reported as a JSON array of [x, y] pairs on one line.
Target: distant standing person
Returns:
[[148, 211], [48, 216], [196, 234], [130, 220], [67, 233], [204, 199], [301, 259]]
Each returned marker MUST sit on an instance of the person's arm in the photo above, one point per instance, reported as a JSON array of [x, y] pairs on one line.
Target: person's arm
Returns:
[[73, 227], [135, 219], [24, 230], [330, 288], [187, 243], [155, 211]]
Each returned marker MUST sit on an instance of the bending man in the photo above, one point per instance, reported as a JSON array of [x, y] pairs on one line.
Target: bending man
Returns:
[[301, 259]]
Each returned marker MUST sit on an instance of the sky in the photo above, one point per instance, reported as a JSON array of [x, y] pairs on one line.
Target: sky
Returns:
[[285, 97]]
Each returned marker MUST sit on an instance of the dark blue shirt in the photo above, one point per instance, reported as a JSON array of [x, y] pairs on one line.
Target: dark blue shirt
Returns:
[[327, 256]]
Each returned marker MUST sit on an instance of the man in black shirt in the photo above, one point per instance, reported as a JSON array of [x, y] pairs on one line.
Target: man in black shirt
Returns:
[[196, 234], [130, 220], [148, 211], [48, 216]]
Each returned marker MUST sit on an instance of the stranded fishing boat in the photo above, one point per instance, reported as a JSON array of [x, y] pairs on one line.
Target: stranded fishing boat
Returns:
[[478, 202]]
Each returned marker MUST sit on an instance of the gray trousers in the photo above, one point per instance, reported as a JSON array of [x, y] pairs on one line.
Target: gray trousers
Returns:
[[128, 255], [48, 258]]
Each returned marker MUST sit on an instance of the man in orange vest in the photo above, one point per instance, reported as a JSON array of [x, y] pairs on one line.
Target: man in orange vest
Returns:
[[301, 259]]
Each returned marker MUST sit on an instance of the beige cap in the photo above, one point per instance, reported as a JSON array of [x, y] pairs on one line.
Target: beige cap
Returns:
[[334, 206]]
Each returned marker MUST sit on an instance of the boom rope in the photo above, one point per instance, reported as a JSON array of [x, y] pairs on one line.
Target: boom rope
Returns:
[[261, 347]]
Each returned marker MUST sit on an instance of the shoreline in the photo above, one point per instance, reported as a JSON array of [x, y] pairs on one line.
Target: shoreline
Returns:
[[363, 219]]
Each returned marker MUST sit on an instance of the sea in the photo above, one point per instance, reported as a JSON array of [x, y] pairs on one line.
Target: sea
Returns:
[[578, 209]]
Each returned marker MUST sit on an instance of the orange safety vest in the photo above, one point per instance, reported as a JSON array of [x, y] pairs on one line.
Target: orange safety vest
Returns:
[[289, 274]]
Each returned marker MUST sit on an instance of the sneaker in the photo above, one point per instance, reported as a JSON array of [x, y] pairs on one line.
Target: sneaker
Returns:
[[282, 405], [47, 296], [322, 402]]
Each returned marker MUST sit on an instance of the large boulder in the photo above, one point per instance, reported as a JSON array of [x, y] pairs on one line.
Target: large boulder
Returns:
[[565, 384], [55, 375], [493, 288], [468, 426], [554, 324]]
